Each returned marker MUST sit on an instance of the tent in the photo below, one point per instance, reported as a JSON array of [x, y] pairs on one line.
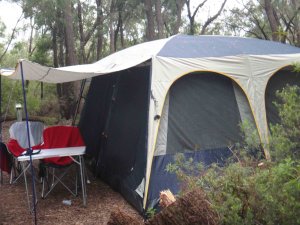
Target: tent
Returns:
[[183, 94]]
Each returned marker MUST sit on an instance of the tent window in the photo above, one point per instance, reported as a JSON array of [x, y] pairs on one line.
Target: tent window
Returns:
[[278, 82], [203, 113]]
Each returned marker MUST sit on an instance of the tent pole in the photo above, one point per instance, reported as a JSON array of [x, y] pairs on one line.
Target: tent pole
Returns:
[[78, 101], [29, 151]]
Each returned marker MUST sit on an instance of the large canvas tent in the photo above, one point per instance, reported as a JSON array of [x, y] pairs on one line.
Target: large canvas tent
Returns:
[[183, 94]]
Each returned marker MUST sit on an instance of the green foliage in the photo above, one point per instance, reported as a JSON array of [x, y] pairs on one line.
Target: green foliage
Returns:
[[2, 29], [246, 191], [250, 145], [296, 67], [41, 54], [245, 194], [150, 212], [187, 171], [18, 51], [285, 138], [37, 106]]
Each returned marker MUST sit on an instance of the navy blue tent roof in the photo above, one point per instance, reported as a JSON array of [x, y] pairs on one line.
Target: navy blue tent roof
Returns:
[[186, 46]]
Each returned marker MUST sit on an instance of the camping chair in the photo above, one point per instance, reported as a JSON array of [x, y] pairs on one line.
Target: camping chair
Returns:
[[59, 137], [18, 143], [5, 161]]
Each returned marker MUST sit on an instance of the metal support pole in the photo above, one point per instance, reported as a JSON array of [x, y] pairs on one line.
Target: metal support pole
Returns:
[[78, 102], [29, 146]]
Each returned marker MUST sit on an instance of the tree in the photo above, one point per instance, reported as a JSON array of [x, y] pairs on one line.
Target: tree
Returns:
[[276, 20], [10, 39], [150, 31], [159, 19], [192, 16], [273, 19]]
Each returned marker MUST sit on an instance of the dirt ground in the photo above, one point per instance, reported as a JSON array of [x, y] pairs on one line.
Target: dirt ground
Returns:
[[102, 200]]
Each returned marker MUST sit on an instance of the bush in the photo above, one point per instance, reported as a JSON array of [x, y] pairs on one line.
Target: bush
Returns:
[[285, 137], [249, 190]]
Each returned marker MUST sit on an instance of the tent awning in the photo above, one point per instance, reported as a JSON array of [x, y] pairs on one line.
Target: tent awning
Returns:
[[121, 60], [6, 72]]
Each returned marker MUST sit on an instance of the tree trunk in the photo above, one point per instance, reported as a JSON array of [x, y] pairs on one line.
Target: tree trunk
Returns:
[[112, 46], [296, 6], [150, 33], [61, 31], [71, 58], [61, 42], [30, 51], [159, 19], [211, 19], [68, 91], [192, 16], [179, 7], [271, 15], [82, 58], [99, 29], [118, 28], [54, 46]]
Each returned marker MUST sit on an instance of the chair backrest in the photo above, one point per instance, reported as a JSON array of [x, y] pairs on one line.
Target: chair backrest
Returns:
[[18, 132], [62, 136]]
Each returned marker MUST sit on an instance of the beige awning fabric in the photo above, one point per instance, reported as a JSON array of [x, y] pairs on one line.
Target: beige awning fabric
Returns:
[[6, 72], [118, 61]]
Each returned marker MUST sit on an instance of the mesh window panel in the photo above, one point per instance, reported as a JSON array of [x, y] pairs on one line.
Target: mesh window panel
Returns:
[[203, 113], [278, 82]]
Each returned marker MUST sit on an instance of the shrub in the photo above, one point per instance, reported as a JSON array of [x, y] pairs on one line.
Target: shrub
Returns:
[[249, 190], [285, 137]]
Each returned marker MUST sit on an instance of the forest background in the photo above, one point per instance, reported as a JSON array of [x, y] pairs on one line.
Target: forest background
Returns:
[[68, 32]]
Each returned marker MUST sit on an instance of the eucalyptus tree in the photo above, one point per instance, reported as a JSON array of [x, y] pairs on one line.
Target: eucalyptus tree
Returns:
[[170, 15], [192, 16], [163, 18], [276, 20], [286, 21], [54, 17]]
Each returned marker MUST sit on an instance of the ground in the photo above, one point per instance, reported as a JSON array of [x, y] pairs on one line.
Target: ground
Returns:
[[102, 200]]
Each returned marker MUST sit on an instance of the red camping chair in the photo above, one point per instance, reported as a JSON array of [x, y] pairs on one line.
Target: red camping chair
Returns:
[[5, 161], [58, 137], [18, 143]]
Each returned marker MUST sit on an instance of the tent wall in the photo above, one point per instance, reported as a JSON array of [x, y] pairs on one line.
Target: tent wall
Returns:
[[276, 83], [114, 127], [200, 119]]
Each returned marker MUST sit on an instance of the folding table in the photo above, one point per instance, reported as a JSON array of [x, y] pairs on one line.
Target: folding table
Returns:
[[59, 152]]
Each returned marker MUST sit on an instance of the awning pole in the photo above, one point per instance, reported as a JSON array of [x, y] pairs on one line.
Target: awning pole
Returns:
[[78, 101], [29, 150]]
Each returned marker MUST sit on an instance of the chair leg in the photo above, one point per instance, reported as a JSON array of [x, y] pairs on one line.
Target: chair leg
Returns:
[[12, 171], [76, 183], [43, 184], [45, 181], [56, 180], [53, 176]]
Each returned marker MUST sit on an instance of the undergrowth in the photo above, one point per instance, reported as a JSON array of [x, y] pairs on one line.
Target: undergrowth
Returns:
[[249, 189]]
